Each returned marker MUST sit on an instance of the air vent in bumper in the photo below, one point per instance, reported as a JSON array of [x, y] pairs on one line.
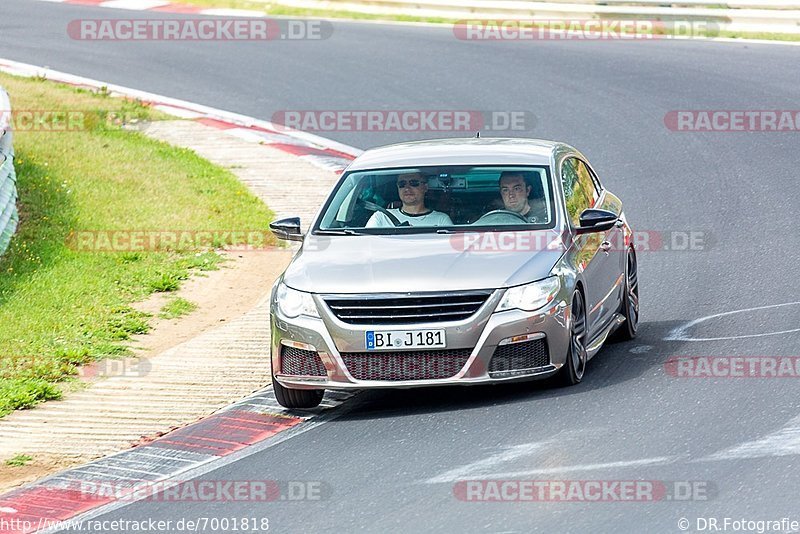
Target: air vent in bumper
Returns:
[[519, 356], [298, 362], [406, 365]]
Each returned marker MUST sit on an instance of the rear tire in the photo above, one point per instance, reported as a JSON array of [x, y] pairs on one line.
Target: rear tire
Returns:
[[575, 366], [629, 308], [297, 398]]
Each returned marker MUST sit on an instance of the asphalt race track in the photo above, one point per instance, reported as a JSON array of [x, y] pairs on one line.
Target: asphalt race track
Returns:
[[391, 459]]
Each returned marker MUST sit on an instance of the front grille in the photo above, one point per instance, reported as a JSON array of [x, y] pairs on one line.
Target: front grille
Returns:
[[406, 308], [515, 356], [392, 366], [298, 362]]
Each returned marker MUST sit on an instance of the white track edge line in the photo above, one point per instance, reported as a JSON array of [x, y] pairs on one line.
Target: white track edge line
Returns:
[[26, 69]]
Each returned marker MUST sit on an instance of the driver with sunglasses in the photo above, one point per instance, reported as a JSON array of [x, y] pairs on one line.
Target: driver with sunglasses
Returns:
[[411, 188]]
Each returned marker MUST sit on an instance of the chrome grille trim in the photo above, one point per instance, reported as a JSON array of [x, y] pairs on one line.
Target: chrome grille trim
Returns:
[[413, 306], [393, 308]]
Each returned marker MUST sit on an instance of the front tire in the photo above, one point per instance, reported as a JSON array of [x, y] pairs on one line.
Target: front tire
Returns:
[[629, 307], [297, 398], [575, 366]]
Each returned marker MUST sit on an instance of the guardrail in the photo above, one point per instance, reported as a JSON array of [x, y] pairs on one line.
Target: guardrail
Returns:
[[772, 16], [735, 4], [9, 217]]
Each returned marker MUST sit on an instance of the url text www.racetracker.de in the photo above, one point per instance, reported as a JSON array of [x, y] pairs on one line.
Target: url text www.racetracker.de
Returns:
[[145, 525]]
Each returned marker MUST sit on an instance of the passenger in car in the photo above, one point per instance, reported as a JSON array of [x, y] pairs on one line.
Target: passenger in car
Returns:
[[515, 191], [411, 188]]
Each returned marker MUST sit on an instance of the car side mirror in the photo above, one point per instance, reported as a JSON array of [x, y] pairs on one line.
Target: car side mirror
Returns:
[[595, 220], [287, 229]]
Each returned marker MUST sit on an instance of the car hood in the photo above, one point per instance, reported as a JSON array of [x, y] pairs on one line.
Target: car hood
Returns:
[[423, 262]]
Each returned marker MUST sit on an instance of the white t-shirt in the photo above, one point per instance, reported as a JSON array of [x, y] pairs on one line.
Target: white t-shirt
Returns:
[[432, 218]]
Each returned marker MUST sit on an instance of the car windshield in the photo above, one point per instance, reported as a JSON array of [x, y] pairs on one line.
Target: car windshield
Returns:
[[429, 199]]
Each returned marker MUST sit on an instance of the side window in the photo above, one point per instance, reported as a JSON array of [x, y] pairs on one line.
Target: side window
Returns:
[[580, 192], [598, 187]]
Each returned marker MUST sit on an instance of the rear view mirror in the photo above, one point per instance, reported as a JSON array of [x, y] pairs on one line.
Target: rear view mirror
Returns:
[[287, 229], [595, 220]]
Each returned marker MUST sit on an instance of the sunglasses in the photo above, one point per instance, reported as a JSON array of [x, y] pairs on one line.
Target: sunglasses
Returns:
[[413, 183]]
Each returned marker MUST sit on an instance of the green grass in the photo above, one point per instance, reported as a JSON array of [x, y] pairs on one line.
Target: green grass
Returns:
[[177, 307], [62, 306], [19, 460], [288, 11], [762, 36], [22, 393]]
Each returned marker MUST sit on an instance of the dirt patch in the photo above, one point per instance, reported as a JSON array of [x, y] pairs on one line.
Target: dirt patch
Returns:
[[40, 466], [222, 295]]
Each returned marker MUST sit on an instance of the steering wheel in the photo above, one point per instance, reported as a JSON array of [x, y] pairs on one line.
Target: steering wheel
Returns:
[[500, 214], [374, 207]]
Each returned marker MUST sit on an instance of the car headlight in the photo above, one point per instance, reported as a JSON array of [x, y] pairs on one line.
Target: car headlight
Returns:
[[530, 297], [293, 303]]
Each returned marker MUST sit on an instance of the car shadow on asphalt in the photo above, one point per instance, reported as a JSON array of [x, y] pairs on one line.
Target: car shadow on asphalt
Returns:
[[616, 363]]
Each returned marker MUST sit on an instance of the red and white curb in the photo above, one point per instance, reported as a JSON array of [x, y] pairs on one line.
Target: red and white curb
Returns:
[[253, 423], [162, 7], [319, 151], [256, 422]]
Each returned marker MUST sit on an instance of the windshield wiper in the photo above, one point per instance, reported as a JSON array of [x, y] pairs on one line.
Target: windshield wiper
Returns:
[[457, 230], [344, 231]]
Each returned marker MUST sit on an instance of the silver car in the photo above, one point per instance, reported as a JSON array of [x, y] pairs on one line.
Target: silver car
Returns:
[[453, 262]]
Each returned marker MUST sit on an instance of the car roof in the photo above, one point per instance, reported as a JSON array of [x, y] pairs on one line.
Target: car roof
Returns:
[[460, 151]]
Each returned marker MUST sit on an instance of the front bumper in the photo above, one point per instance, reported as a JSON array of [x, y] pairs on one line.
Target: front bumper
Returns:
[[481, 334]]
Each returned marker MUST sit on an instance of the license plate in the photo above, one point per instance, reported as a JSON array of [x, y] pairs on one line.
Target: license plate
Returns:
[[404, 339]]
